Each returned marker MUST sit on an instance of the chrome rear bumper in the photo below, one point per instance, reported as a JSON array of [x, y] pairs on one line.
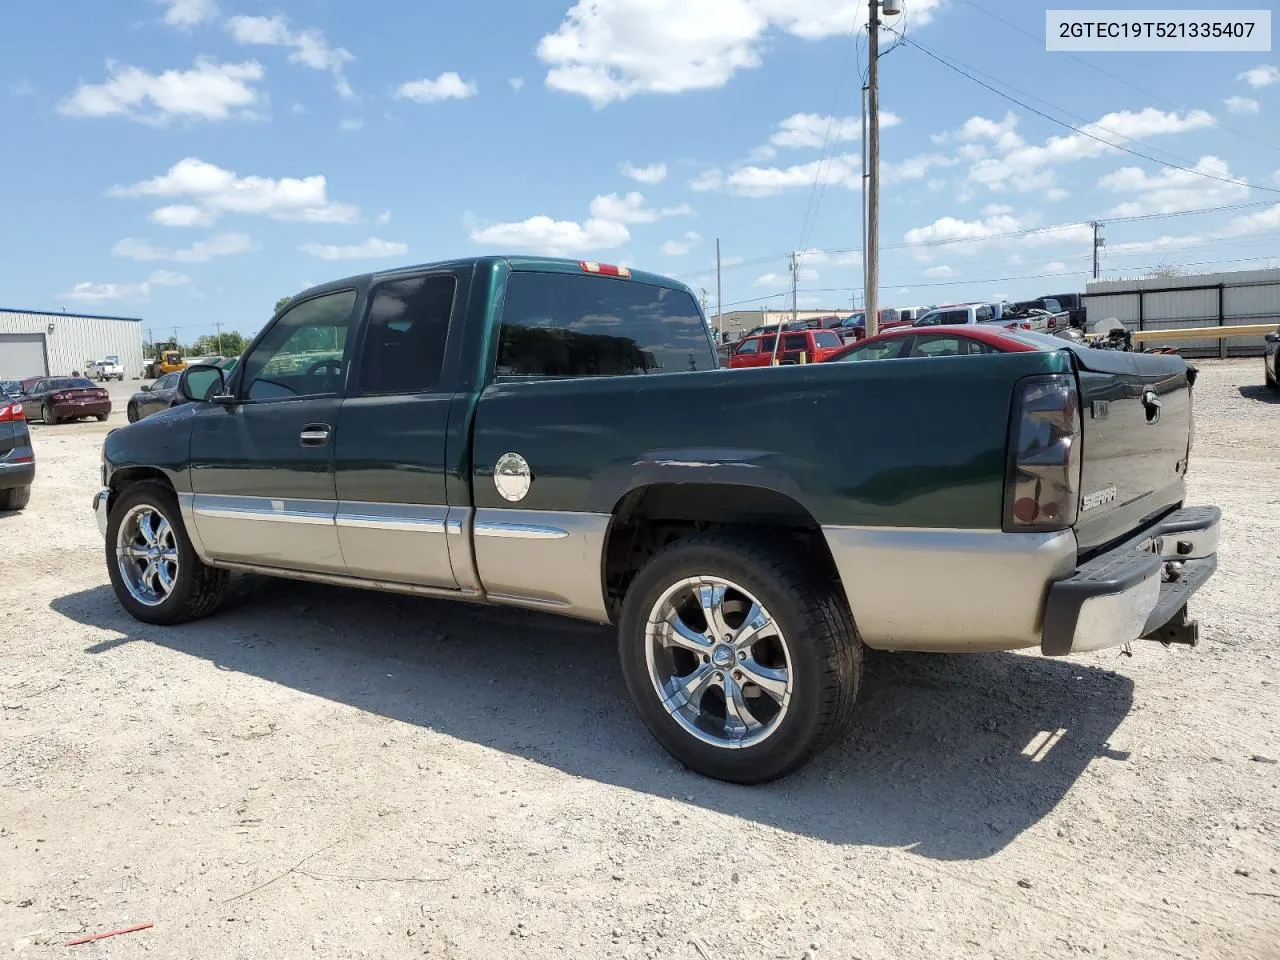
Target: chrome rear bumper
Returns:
[[100, 501]]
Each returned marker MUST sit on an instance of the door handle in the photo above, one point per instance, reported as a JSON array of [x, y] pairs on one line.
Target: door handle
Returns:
[[314, 435]]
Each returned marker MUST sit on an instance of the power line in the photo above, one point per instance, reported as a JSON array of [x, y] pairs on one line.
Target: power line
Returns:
[[1112, 76], [1084, 133]]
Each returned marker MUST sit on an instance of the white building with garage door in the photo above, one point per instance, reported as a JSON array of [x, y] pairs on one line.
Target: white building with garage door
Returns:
[[34, 343]]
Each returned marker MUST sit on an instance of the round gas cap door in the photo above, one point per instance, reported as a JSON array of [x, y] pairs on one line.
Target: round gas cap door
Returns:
[[512, 476]]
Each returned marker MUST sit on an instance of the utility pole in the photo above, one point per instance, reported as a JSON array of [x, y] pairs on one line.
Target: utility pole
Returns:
[[795, 279], [871, 251], [704, 299], [219, 328], [1098, 244], [719, 294], [864, 196]]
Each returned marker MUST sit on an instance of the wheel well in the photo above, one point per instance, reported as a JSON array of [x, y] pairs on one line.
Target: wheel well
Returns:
[[650, 518], [128, 476]]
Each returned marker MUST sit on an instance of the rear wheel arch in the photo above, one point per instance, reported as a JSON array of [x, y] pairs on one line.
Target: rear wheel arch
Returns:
[[647, 519]]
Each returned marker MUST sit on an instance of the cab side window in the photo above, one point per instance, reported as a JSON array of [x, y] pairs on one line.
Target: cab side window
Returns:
[[405, 337], [304, 353], [750, 346]]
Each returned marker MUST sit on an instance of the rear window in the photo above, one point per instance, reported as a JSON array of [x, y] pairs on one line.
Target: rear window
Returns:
[[567, 325], [71, 383], [827, 341]]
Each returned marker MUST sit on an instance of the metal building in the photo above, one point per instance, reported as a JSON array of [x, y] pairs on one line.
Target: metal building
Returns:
[[34, 343], [1238, 298]]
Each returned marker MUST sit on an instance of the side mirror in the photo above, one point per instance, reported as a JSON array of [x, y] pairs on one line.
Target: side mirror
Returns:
[[145, 388], [201, 383]]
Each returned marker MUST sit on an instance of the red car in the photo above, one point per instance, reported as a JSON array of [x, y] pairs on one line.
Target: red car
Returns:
[[814, 345], [944, 341], [54, 399]]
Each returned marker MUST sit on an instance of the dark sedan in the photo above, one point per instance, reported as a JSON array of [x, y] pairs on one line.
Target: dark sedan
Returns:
[[17, 460], [1271, 360], [154, 397], [54, 399]]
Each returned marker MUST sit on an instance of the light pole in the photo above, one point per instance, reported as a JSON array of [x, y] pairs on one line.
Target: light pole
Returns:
[[872, 252]]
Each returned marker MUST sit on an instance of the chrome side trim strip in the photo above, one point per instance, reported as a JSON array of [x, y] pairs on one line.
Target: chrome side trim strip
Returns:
[[407, 517], [519, 531], [386, 523], [317, 512], [949, 590]]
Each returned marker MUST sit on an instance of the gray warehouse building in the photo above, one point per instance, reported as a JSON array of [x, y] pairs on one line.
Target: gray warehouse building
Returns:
[[36, 343]]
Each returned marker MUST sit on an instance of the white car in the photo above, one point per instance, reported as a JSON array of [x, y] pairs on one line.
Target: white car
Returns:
[[106, 369]]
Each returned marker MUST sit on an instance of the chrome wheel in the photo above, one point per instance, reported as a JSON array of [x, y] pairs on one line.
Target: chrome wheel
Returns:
[[719, 662], [147, 555]]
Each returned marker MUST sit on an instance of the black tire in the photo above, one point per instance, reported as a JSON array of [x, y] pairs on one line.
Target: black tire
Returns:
[[131, 412], [102, 417], [15, 498], [47, 415], [198, 588], [825, 650], [1271, 381]]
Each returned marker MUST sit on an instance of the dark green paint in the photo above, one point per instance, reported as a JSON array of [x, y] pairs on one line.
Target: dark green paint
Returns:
[[897, 443]]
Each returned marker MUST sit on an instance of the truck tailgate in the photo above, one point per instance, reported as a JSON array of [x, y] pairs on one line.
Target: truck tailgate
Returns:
[[1136, 425]]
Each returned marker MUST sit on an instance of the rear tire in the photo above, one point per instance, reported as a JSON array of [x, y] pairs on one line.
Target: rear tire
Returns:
[[15, 498], [101, 417], [810, 645], [1271, 381], [195, 589], [47, 415]]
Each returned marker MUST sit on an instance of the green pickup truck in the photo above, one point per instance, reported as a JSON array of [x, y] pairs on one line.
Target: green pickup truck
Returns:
[[555, 435]]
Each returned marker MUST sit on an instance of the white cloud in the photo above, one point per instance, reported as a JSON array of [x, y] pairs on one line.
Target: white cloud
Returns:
[[940, 272], [447, 86], [1237, 104], [630, 208], [215, 191], [757, 181], [208, 90], [351, 125], [222, 245], [851, 258], [383, 218], [1263, 75], [544, 235], [1029, 168], [1054, 266], [609, 50], [517, 83], [1056, 194], [1260, 222], [913, 168], [653, 173], [182, 215], [1173, 190], [310, 48], [678, 248], [1150, 246], [89, 292], [370, 249], [188, 13], [768, 280], [707, 180], [997, 223], [814, 130]]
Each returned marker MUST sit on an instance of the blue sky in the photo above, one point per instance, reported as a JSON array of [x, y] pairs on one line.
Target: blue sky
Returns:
[[190, 161]]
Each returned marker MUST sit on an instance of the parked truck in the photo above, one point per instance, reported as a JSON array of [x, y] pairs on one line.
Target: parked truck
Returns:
[[108, 368], [167, 360], [555, 435]]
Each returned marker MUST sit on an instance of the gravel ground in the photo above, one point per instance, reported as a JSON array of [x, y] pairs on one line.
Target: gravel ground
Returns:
[[316, 772]]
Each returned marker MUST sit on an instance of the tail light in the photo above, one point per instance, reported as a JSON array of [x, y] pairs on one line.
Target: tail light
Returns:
[[58, 396], [1025, 326], [1042, 485], [10, 412]]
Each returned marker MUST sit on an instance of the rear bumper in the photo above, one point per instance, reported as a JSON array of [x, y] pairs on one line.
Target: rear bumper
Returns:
[[94, 408], [1135, 589], [17, 474]]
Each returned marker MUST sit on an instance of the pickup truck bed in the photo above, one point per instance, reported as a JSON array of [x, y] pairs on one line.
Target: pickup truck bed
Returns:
[[555, 435]]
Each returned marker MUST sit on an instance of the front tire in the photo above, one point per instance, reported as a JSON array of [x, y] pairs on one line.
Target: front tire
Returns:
[[1271, 381], [741, 657], [131, 412], [15, 498], [153, 567]]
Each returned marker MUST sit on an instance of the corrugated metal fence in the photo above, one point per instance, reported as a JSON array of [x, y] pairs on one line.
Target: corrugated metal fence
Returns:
[[72, 341], [1204, 300]]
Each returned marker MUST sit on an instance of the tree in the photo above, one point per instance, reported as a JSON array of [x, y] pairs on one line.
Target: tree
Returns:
[[281, 302], [230, 344]]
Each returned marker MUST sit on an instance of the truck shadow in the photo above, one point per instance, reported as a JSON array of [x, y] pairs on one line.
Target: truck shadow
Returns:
[[950, 756], [1260, 392]]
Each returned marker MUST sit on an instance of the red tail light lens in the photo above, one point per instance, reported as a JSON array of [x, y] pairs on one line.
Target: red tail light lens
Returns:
[[58, 396], [10, 411], [1042, 486]]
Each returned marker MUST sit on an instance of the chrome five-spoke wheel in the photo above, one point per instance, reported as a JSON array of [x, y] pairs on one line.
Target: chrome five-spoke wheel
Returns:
[[147, 555], [718, 661]]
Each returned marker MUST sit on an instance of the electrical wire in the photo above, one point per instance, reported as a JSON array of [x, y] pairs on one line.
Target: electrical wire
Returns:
[[953, 66]]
